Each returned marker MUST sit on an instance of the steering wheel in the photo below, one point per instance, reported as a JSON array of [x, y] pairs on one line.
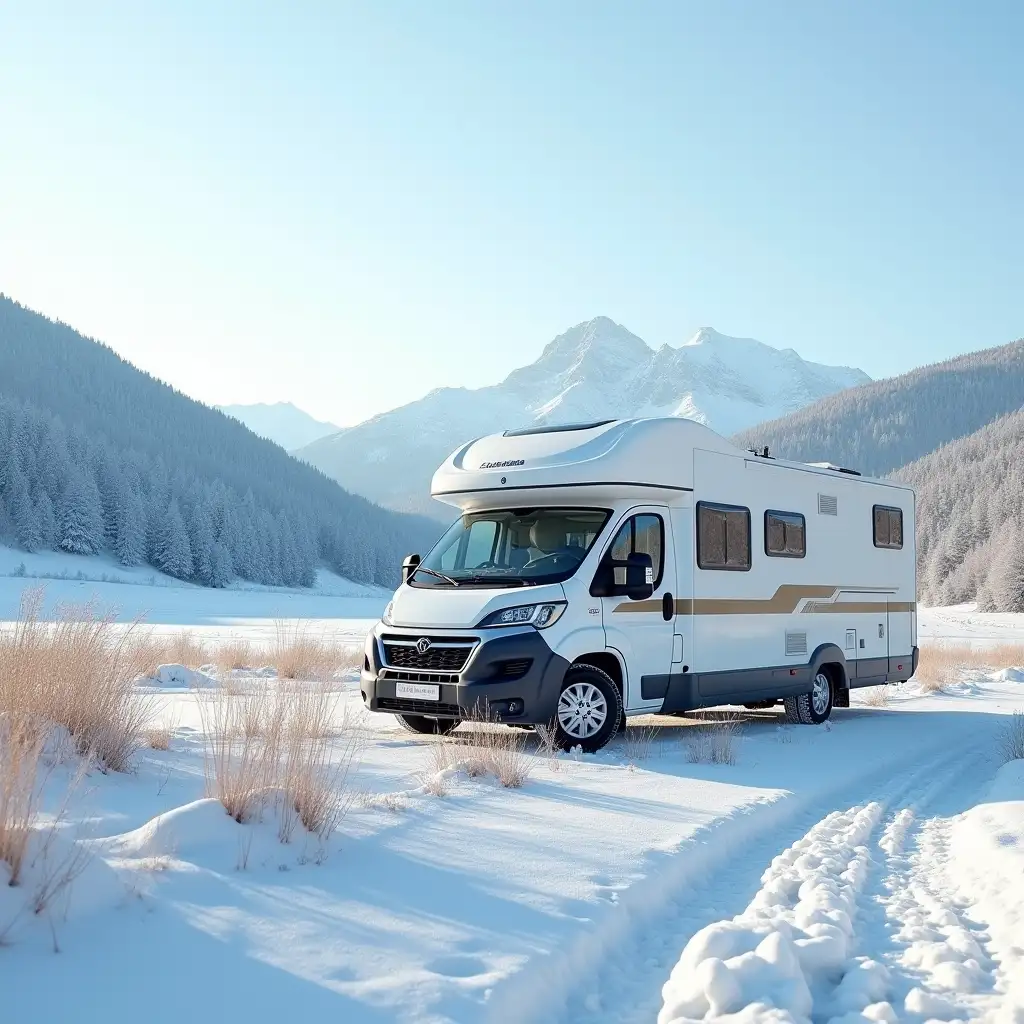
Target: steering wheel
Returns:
[[489, 564]]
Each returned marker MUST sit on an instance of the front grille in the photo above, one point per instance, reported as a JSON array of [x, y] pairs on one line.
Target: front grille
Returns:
[[405, 706], [445, 654], [404, 676]]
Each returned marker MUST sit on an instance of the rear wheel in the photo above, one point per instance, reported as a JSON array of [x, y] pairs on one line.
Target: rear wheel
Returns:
[[425, 725], [589, 709], [812, 708]]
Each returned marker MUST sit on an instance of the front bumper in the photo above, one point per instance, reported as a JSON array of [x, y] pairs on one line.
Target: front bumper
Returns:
[[482, 689]]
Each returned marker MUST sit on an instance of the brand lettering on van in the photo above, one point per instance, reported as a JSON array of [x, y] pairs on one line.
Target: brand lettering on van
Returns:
[[502, 465]]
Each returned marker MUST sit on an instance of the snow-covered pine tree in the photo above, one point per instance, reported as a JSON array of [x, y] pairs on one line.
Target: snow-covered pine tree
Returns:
[[47, 519], [173, 554], [80, 518], [220, 565], [200, 537], [130, 540], [1008, 584], [23, 512]]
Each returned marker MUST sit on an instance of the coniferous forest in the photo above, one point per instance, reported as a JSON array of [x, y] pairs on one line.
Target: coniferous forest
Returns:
[[96, 455]]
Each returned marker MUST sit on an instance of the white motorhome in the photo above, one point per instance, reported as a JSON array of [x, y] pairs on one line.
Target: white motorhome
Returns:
[[647, 566]]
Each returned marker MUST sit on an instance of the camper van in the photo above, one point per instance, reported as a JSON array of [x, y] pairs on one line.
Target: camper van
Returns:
[[645, 566]]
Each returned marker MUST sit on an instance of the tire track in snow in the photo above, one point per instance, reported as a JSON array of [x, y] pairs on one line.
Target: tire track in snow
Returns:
[[624, 987], [941, 966]]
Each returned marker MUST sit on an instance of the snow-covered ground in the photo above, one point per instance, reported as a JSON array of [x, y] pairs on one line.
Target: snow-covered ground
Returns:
[[868, 870], [142, 592]]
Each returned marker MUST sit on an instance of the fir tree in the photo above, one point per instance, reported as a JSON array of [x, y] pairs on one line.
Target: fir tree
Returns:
[[80, 521], [130, 539], [23, 513], [173, 555], [47, 519], [220, 565], [1008, 586]]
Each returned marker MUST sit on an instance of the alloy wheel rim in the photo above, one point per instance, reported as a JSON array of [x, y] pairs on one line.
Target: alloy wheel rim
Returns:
[[819, 695], [582, 710]]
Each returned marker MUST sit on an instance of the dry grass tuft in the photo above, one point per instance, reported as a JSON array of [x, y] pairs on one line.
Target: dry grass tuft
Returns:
[[237, 653], [638, 741], [299, 653], [713, 739], [943, 664], [1011, 740], [22, 740], [185, 648], [275, 745], [78, 672], [487, 749], [875, 696]]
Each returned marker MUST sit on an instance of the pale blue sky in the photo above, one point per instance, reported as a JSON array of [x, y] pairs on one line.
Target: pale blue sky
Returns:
[[348, 205]]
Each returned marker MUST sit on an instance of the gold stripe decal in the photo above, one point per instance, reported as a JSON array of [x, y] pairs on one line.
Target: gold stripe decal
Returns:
[[789, 599]]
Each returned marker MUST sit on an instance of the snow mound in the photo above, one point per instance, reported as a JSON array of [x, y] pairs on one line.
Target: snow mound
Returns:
[[178, 677], [61, 878], [183, 831], [987, 865], [794, 936], [1010, 675]]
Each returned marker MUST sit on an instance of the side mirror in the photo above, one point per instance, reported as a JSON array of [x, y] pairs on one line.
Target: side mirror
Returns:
[[409, 564], [639, 576]]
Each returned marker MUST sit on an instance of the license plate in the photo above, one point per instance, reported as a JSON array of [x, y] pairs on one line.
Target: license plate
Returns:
[[418, 691]]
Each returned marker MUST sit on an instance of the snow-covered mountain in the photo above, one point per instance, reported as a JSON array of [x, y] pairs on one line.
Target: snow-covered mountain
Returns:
[[280, 422], [596, 370]]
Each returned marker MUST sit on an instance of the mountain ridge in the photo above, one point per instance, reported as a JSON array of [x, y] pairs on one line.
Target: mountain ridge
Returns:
[[888, 423], [594, 370], [284, 423]]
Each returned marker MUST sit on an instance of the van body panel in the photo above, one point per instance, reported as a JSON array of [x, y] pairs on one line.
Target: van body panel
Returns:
[[749, 628]]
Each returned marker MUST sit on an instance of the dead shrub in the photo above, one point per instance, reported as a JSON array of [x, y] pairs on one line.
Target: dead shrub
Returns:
[[22, 740], [235, 756], [185, 648], [490, 749], [940, 665], [299, 653], [279, 745], [712, 739], [237, 653], [78, 672], [875, 696], [638, 741], [1011, 738]]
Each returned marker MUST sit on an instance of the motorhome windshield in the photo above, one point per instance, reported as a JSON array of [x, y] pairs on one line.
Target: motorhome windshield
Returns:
[[512, 547]]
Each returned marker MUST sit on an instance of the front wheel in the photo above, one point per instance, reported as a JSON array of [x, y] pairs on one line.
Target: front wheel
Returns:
[[812, 708], [589, 709], [427, 726]]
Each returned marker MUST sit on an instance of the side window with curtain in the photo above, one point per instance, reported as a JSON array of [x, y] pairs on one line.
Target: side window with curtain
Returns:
[[723, 536], [640, 534], [785, 534], [888, 527]]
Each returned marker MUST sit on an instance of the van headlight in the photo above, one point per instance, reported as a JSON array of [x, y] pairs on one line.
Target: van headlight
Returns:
[[386, 617], [539, 615]]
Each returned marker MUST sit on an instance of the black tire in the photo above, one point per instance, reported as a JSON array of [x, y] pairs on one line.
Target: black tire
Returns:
[[426, 726], [760, 705], [581, 681], [815, 707]]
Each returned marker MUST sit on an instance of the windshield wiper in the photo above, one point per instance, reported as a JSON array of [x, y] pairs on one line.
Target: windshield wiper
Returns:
[[515, 581], [433, 572]]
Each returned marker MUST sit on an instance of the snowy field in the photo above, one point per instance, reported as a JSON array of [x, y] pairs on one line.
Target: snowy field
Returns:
[[872, 869]]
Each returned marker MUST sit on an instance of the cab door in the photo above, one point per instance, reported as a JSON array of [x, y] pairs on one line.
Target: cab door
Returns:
[[641, 631]]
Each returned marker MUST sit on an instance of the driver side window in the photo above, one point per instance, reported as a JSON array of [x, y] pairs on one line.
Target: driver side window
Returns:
[[640, 534]]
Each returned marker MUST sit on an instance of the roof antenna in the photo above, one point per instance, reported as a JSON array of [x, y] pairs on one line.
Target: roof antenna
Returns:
[[765, 454]]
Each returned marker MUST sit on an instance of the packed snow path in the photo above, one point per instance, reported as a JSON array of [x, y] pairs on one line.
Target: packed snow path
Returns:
[[854, 918]]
